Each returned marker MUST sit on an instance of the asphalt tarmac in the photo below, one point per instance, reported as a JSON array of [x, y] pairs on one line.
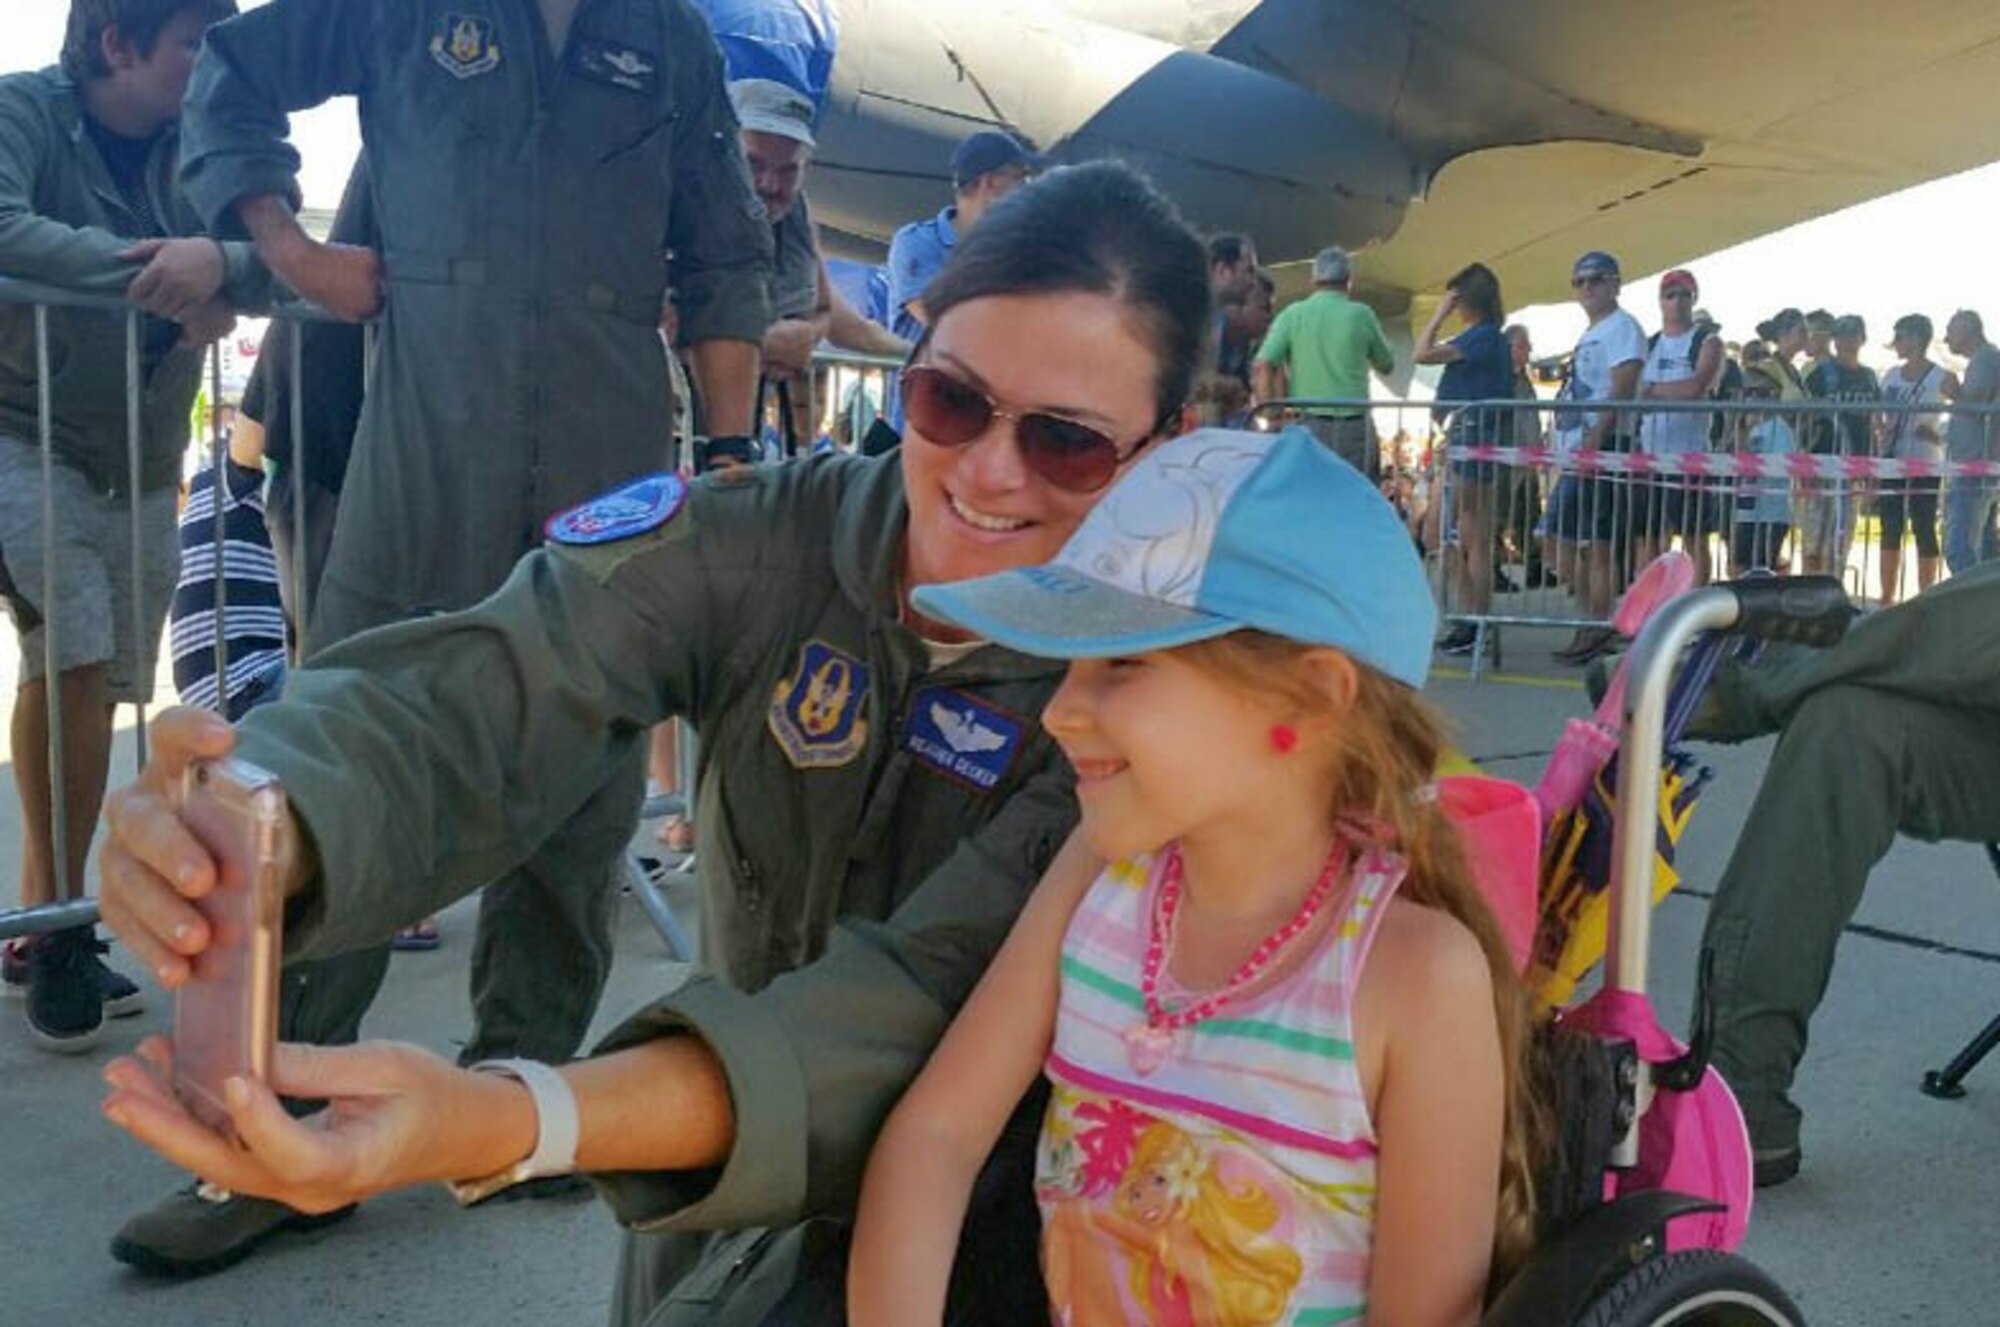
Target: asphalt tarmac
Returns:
[[1888, 1223]]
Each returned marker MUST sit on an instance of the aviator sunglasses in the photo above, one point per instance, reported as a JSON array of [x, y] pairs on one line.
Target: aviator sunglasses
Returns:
[[953, 413]]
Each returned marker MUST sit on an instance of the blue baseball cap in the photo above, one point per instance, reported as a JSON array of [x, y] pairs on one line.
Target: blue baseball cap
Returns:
[[987, 151], [1595, 263], [1211, 533]]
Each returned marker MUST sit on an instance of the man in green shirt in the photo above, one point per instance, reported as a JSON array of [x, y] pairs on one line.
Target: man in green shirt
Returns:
[[1321, 349]]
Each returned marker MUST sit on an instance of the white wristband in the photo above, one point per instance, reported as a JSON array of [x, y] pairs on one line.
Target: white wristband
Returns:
[[556, 1129]]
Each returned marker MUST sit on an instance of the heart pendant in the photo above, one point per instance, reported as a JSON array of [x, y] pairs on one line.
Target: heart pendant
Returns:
[[1147, 1047]]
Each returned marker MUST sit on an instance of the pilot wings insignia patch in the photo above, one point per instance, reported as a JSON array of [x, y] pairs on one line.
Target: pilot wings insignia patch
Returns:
[[624, 67]]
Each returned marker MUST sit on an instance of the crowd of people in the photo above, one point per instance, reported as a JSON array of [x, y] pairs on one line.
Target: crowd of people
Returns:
[[1592, 533], [940, 819]]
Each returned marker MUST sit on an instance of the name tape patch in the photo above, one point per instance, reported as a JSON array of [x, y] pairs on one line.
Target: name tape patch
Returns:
[[967, 740], [645, 504]]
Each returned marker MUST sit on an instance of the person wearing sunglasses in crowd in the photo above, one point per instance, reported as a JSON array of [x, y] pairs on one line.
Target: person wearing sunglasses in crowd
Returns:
[[1585, 514], [877, 794]]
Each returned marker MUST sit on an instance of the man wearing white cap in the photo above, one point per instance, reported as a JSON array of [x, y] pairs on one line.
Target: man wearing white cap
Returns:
[[776, 123]]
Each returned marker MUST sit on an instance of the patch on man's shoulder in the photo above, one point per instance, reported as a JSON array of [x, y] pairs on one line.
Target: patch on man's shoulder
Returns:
[[970, 741], [643, 505]]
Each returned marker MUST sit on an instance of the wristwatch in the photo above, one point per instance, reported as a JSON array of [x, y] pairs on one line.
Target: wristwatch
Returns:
[[555, 1131], [739, 447]]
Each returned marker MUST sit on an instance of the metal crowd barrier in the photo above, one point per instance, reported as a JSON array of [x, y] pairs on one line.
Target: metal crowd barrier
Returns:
[[1518, 533], [72, 908], [850, 378]]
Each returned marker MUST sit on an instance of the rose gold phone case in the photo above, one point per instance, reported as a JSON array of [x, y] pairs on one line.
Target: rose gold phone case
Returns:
[[226, 1015]]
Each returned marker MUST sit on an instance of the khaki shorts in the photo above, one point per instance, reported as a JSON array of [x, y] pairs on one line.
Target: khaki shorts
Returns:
[[92, 615]]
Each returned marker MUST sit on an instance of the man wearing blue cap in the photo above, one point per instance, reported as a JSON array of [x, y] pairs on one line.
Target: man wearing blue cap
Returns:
[[984, 169], [1584, 516]]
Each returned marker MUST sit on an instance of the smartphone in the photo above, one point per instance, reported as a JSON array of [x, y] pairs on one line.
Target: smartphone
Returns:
[[226, 1013]]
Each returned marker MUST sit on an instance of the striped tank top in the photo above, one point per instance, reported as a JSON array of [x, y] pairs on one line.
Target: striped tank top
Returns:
[[1235, 1185]]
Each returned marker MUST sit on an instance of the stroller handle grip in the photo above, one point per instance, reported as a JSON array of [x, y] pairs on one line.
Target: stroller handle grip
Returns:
[[1810, 610]]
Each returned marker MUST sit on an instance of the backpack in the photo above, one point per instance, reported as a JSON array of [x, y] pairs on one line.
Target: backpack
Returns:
[[1728, 384]]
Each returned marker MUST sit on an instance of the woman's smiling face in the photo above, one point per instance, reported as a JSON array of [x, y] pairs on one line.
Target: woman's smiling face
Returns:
[[977, 509]]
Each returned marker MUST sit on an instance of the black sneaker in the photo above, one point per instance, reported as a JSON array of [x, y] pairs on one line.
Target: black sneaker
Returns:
[[65, 1000], [1774, 1166], [122, 998], [204, 1229], [1458, 640]]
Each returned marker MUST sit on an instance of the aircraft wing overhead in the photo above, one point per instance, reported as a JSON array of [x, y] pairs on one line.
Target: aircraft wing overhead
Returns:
[[1546, 127], [1428, 132]]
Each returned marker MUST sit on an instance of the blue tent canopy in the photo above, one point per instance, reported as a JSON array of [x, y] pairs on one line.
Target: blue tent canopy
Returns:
[[789, 41]]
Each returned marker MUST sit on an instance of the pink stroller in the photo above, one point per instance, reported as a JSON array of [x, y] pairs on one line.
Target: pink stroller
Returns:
[[1650, 1196]]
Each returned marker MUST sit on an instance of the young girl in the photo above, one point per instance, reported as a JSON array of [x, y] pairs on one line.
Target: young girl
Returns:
[[1282, 1029]]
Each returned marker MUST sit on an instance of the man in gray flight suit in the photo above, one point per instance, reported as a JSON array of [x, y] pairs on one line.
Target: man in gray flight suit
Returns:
[[1895, 729], [541, 169]]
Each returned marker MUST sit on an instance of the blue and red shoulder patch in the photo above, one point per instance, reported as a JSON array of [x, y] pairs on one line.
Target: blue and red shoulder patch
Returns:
[[643, 505]]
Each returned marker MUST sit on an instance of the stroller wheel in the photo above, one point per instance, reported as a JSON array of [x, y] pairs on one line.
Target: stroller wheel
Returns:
[[1695, 1288]]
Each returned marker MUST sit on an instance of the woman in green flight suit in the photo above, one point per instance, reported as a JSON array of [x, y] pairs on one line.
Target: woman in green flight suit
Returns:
[[877, 794]]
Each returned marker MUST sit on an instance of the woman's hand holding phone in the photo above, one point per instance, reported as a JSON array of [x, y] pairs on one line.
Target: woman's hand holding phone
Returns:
[[153, 867], [396, 1115]]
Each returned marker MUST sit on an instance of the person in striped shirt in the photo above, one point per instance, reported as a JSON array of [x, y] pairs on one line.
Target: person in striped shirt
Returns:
[[1282, 1029], [253, 626]]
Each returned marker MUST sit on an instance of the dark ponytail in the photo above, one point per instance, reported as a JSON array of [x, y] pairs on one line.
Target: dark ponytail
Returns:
[[1099, 228]]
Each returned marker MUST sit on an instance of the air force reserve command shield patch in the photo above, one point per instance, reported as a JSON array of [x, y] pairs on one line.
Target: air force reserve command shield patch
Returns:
[[463, 45], [817, 713], [645, 504], [962, 737]]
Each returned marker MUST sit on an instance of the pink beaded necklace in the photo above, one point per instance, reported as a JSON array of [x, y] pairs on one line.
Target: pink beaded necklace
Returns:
[[1149, 1043]]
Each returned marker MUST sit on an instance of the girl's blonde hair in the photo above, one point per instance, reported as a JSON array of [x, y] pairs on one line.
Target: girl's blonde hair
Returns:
[[1390, 745]]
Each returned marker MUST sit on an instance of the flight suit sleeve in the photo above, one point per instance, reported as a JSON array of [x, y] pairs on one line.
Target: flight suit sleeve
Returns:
[[253, 70], [426, 758], [816, 1059], [39, 248], [717, 233]]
